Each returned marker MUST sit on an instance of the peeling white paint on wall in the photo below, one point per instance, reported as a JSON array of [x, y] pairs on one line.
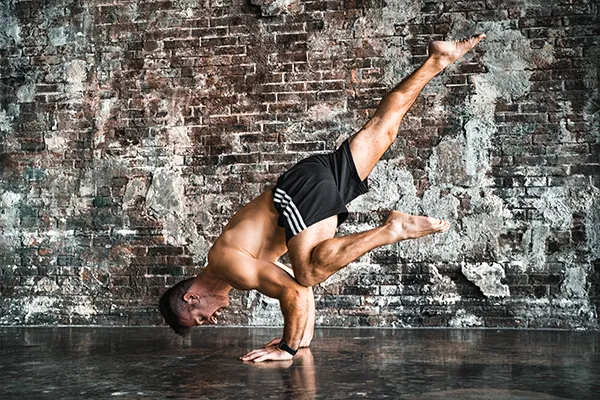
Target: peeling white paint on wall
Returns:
[[105, 107], [390, 187], [554, 204], [165, 197], [442, 289], [26, 93], [57, 36], [574, 285], [136, 187], [487, 277], [462, 319], [11, 29], [593, 219], [33, 306], [534, 245], [5, 121], [86, 309], [9, 217], [55, 141], [380, 22], [265, 311]]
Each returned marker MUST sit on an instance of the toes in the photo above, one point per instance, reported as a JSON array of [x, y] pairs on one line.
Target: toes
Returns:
[[439, 225], [477, 38], [434, 222], [443, 226]]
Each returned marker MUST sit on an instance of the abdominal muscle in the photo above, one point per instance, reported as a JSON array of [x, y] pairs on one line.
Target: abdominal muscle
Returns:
[[253, 230]]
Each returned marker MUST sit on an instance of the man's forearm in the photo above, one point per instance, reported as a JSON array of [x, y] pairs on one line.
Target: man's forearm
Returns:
[[310, 320], [295, 309]]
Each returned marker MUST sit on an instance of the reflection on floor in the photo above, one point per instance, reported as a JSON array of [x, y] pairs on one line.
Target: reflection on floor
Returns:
[[132, 363]]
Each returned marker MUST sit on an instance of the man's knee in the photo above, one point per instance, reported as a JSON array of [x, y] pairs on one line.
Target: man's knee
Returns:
[[308, 275]]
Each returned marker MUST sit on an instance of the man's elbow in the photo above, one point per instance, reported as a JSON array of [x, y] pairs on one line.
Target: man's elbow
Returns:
[[297, 296]]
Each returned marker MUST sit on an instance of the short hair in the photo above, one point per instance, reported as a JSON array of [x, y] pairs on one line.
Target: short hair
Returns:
[[172, 305]]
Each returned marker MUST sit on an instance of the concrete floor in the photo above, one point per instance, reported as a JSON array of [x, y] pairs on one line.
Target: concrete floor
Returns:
[[132, 363]]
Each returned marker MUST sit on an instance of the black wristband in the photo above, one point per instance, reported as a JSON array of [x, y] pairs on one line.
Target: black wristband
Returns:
[[284, 346]]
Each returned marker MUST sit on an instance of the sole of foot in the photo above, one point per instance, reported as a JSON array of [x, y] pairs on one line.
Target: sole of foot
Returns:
[[445, 53], [405, 226]]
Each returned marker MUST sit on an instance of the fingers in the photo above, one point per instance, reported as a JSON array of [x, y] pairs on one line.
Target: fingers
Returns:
[[265, 354], [274, 356], [257, 352], [273, 342], [262, 358], [252, 355]]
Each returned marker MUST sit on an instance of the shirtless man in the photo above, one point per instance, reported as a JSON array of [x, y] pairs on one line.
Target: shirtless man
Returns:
[[300, 216]]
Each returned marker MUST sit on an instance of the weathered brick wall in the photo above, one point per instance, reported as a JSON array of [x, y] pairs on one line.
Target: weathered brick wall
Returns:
[[132, 130]]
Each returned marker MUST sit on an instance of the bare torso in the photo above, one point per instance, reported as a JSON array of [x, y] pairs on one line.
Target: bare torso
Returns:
[[254, 231]]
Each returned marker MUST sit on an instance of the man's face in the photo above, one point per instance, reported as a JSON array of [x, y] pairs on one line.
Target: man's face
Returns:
[[205, 311]]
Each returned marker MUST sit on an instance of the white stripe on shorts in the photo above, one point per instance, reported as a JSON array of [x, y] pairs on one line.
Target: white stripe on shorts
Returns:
[[290, 211]]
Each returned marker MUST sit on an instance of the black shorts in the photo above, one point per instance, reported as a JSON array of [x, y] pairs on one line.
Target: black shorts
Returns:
[[317, 188]]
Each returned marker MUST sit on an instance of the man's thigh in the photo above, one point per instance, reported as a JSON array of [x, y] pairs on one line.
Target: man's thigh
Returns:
[[367, 147], [300, 247]]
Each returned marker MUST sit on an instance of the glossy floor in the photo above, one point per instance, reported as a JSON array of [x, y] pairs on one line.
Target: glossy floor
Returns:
[[131, 363]]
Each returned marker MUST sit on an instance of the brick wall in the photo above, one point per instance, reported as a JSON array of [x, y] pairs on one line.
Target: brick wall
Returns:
[[131, 131]]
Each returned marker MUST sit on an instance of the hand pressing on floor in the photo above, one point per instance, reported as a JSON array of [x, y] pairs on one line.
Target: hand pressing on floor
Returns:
[[271, 353]]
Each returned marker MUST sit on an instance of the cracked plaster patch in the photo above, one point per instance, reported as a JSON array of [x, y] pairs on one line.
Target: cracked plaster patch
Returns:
[[593, 219], [441, 289], [464, 319], [136, 187], [382, 22], [555, 207], [265, 311], [271, 8], [166, 199], [487, 277], [10, 33], [574, 284], [55, 142]]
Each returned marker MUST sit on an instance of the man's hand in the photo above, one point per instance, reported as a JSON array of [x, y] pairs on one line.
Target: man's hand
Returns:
[[270, 353]]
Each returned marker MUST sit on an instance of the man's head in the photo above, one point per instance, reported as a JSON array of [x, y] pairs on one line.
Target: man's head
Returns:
[[184, 306]]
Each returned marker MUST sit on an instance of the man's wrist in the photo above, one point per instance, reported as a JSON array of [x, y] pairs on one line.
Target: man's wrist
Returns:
[[283, 345]]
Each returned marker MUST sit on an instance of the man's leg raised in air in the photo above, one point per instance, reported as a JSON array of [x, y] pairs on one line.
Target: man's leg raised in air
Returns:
[[315, 254]]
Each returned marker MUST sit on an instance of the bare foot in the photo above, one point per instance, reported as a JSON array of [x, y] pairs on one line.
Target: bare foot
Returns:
[[404, 226], [445, 53]]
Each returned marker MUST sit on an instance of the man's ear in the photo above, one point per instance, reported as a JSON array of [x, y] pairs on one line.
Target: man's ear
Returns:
[[191, 298]]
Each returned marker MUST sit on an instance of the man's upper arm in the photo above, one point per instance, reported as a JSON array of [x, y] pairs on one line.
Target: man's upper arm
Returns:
[[247, 273]]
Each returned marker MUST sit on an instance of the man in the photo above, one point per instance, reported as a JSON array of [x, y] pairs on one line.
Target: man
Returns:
[[300, 216]]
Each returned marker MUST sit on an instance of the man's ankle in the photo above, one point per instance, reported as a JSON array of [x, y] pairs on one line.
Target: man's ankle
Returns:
[[436, 63]]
